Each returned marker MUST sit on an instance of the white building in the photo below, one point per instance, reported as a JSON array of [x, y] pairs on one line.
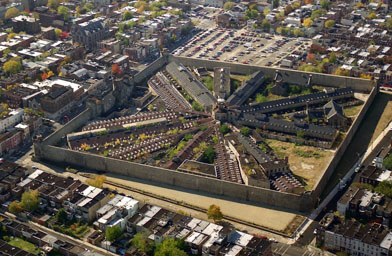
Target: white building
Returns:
[[11, 119]]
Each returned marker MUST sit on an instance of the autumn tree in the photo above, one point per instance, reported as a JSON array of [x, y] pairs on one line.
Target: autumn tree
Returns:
[[44, 76], [311, 58], [308, 22], [30, 200], [116, 69], [12, 66], [97, 181], [214, 212], [58, 32], [11, 13], [341, 72], [15, 207], [329, 23]]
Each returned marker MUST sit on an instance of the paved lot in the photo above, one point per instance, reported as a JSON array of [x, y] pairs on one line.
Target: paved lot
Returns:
[[240, 46], [291, 250]]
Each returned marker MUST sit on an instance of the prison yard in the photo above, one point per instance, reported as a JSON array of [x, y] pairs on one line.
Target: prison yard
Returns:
[[252, 129]]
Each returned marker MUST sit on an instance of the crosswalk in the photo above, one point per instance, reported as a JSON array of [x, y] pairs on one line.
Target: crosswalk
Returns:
[[279, 249]]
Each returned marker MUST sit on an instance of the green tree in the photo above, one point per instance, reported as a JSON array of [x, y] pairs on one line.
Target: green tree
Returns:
[[63, 10], [387, 162], [265, 25], [245, 131], [131, 24], [324, 4], [170, 247], [316, 14], [30, 200], [332, 58], [196, 106], [298, 32], [11, 13], [15, 207], [113, 233], [88, 6], [329, 23], [389, 24], [208, 155], [53, 4], [12, 66], [385, 188], [300, 134], [228, 6], [127, 15], [252, 13], [214, 212], [224, 129], [142, 243], [61, 216]]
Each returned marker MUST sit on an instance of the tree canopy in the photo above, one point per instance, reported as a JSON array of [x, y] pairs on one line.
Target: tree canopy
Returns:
[[97, 181], [224, 128], [53, 4], [308, 22], [214, 212], [15, 207], [387, 162], [113, 233], [12, 66], [228, 6], [170, 247], [245, 131], [142, 243], [11, 13], [30, 200], [61, 216], [63, 10], [329, 23]]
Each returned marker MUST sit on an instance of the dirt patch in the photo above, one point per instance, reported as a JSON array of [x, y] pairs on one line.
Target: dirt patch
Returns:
[[306, 162]]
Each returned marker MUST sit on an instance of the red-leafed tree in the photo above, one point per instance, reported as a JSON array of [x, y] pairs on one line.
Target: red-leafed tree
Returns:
[[116, 70], [44, 76], [64, 35], [316, 48], [311, 58]]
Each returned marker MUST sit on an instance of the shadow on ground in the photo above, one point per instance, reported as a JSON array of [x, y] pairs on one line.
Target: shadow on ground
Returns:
[[377, 113]]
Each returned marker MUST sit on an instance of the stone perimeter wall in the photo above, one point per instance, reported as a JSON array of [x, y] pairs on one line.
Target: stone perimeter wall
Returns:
[[46, 151], [319, 187]]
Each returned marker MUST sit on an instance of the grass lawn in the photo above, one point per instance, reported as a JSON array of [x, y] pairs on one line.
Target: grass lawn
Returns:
[[352, 111], [77, 229], [208, 82], [306, 162], [24, 245], [240, 78]]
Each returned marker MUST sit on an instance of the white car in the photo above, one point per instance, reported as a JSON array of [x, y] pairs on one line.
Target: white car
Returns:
[[273, 240]]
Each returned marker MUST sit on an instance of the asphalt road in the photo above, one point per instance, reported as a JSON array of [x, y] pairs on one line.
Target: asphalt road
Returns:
[[291, 250]]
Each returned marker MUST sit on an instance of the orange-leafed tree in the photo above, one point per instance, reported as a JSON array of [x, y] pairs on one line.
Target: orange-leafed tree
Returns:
[[44, 76], [116, 70]]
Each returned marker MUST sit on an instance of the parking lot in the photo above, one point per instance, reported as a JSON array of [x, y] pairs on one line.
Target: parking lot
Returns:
[[241, 46]]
